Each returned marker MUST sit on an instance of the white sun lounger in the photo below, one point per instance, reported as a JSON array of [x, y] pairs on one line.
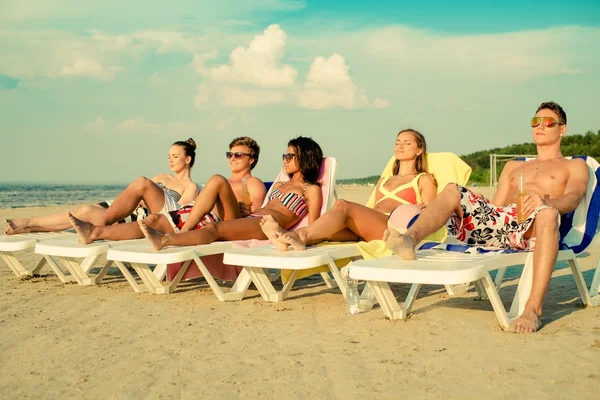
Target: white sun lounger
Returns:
[[450, 168], [142, 257], [441, 267], [12, 244]]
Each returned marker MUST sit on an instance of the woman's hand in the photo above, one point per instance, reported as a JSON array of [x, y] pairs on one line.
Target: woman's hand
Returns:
[[422, 205]]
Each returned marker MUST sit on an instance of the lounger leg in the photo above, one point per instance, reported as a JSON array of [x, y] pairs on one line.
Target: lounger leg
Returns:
[[64, 278], [581, 286], [264, 285], [240, 286], [492, 294], [523, 289], [457, 290], [160, 271], [229, 296], [480, 290], [130, 278], [499, 277], [14, 264], [595, 288], [36, 270], [79, 270], [412, 297], [328, 281], [337, 276], [387, 301]]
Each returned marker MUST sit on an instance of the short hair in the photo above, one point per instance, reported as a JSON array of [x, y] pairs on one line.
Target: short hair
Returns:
[[552, 106], [421, 161], [253, 147], [309, 156], [189, 147]]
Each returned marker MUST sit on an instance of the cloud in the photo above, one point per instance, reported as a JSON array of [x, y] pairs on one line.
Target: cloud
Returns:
[[89, 67], [329, 86], [258, 64], [256, 76], [98, 125], [8, 82], [513, 56]]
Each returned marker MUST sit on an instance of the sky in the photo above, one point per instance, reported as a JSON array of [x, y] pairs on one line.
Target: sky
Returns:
[[97, 91]]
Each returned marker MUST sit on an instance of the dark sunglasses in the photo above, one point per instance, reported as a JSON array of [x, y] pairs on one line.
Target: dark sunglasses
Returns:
[[236, 156], [548, 122], [287, 156]]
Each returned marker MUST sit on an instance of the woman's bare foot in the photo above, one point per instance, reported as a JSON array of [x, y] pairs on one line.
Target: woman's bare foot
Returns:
[[293, 239], [157, 239], [402, 245], [527, 322], [15, 226], [85, 230], [273, 231]]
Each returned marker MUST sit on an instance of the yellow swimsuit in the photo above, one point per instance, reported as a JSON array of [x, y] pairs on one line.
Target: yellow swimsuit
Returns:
[[403, 194]]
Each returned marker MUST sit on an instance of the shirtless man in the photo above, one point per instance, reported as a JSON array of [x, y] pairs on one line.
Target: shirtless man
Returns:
[[554, 186], [209, 205]]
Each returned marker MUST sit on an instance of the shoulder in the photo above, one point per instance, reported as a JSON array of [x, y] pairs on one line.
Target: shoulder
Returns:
[[255, 182], [576, 163], [426, 179], [511, 166], [313, 190], [192, 186]]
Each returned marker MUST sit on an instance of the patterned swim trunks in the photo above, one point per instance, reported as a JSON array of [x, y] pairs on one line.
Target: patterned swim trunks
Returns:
[[177, 218], [484, 224]]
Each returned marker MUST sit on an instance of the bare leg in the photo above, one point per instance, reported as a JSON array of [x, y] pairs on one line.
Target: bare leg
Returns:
[[544, 259], [128, 200], [89, 233], [217, 192], [430, 220], [364, 222], [235, 229], [54, 222]]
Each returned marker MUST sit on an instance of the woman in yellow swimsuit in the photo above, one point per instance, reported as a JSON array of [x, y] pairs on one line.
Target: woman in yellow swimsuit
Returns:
[[348, 221]]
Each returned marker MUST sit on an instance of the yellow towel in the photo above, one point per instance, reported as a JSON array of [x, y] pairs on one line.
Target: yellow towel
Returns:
[[445, 168]]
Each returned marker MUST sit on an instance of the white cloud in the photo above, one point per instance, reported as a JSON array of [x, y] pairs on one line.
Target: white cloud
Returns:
[[329, 86], [89, 67], [259, 64], [202, 96]]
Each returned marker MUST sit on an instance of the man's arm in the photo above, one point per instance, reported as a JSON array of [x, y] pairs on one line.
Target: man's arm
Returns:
[[503, 190], [314, 201], [574, 190], [257, 190]]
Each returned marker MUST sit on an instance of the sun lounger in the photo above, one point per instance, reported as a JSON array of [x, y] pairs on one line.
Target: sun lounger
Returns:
[[444, 267], [446, 167], [141, 257], [10, 245]]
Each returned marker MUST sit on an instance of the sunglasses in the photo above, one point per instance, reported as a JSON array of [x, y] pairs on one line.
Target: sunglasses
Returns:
[[548, 122], [236, 156], [287, 156]]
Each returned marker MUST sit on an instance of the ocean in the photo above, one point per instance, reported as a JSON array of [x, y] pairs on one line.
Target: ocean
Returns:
[[23, 195]]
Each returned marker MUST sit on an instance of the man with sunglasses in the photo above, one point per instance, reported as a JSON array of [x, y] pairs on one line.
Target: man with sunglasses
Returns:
[[553, 185]]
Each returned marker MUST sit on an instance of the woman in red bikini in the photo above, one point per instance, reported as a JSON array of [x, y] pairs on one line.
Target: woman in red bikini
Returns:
[[347, 221]]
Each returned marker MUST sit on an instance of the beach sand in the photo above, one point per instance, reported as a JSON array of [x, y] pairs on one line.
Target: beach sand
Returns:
[[67, 341]]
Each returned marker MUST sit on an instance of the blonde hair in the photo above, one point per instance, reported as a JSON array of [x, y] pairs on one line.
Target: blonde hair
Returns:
[[421, 161]]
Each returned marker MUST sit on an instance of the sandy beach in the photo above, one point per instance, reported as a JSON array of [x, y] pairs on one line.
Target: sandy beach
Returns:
[[67, 341]]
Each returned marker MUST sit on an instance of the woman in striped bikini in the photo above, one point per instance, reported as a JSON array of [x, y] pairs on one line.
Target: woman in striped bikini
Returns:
[[164, 193], [288, 203], [348, 221]]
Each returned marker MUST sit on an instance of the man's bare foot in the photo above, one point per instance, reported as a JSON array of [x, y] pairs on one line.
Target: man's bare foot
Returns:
[[528, 322], [157, 239], [402, 245], [15, 226], [273, 231], [85, 230], [293, 239]]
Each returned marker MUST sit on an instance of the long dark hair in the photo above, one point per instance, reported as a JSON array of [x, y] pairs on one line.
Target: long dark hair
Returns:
[[309, 156], [189, 146], [421, 161]]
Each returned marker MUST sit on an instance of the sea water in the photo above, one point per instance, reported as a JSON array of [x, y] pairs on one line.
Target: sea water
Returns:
[[28, 195]]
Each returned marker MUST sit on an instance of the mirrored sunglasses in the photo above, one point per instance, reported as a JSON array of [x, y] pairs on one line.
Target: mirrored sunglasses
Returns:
[[548, 122]]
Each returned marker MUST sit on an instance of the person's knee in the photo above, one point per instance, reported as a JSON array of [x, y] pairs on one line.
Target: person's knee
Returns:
[[216, 180], [341, 204], [547, 218], [452, 190], [152, 219], [141, 183]]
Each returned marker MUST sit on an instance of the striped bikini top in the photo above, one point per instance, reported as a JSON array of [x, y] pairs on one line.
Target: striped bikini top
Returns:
[[173, 193], [403, 194], [292, 201]]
